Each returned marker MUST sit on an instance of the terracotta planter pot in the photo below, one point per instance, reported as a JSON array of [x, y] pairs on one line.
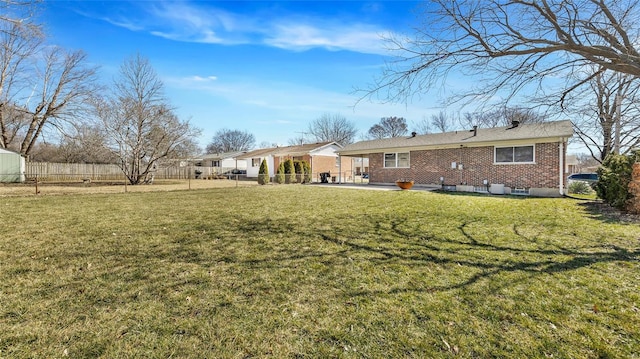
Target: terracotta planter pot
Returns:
[[404, 184]]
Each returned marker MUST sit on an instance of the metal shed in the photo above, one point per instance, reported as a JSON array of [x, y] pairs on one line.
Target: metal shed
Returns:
[[12, 166]]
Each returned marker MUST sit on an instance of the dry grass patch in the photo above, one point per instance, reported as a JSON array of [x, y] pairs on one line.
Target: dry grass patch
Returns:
[[95, 187]]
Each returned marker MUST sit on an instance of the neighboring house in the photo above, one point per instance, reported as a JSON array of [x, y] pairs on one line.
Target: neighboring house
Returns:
[[12, 166], [518, 159], [572, 164], [322, 157], [224, 161]]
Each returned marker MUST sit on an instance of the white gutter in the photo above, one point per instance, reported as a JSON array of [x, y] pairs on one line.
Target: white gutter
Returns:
[[561, 163]]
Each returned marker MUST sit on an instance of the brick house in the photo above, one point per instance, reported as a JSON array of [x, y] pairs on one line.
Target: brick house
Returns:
[[517, 159], [322, 157]]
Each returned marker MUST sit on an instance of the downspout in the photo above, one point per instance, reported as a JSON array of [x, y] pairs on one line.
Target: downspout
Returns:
[[561, 163], [339, 169]]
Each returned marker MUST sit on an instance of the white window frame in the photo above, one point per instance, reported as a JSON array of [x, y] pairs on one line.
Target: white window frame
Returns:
[[253, 164], [495, 155], [396, 159]]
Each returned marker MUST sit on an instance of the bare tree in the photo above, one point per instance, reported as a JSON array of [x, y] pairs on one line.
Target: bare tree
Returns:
[[65, 89], [388, 127], [187, 148], [87, 144], [586, 161], [296, 141], [423, 126], [18, 43], [503, 116], [332, 127], [231, 140], [607, 114], [442, 122], [141, 127], [41, 87], [15, 12], [267, 144], [511, 47]]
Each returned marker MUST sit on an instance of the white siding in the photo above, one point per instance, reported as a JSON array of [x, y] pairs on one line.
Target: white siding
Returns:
[[253, 171], [330, 150]]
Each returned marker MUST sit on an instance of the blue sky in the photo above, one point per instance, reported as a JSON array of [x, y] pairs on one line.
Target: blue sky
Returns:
[[267, 67]]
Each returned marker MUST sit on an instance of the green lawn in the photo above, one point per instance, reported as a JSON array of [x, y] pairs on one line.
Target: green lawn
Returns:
[[304, 272]]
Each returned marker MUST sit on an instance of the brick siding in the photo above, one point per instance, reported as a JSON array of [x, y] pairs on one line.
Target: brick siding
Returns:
[[428, 166], [324, 164]]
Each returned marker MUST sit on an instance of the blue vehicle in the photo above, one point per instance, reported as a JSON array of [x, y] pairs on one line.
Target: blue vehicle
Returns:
[[585, 177]]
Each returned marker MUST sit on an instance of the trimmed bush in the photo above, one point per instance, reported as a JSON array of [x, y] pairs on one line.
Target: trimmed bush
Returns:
[[280, 173], [263, 173], [299, 171], [307, 171], [580, 187], [289, 171]]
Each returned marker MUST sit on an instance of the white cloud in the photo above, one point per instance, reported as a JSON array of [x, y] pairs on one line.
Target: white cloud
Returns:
[[197, 78], [187, 22], [125, 24], [300, 36]]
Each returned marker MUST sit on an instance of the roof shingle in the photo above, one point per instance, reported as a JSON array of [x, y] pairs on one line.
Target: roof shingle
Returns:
[[463, 137]]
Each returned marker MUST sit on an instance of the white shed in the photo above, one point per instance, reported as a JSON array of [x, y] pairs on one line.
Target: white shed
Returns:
[[12, 166]]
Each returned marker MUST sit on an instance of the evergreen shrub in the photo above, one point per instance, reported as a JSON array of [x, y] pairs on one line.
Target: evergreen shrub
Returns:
[[289, 171], [614, 177], [263, 173], [307, 171], [280, 174]]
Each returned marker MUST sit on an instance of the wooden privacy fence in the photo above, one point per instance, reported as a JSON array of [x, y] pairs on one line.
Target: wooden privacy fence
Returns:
[[46, 171]]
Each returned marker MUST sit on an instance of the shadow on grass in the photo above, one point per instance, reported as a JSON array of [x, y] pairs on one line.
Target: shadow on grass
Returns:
[[393, 241], [603, 212]]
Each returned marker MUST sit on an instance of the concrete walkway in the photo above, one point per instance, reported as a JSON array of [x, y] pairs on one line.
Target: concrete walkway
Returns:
[[374, 187]]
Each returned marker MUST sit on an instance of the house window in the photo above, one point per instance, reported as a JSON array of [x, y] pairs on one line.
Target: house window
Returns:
[[255, 162], [396, 160], [514, 154], [215, 163]]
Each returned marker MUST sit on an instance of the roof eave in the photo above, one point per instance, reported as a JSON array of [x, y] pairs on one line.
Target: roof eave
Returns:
[[356, 152]]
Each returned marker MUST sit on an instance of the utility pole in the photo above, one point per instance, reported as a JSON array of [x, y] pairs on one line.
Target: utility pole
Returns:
[[302, 133]]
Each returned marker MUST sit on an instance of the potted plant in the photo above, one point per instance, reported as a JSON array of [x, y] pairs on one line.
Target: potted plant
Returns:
[[404, 183]]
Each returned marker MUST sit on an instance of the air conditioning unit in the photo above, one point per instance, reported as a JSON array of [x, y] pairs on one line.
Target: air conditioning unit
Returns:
[[496, 188]]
